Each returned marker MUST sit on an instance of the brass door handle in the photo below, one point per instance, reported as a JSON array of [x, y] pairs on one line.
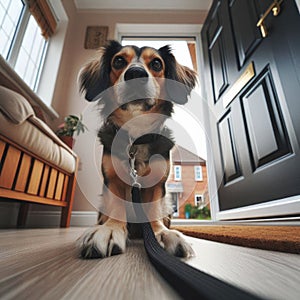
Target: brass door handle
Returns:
[[275, 8]]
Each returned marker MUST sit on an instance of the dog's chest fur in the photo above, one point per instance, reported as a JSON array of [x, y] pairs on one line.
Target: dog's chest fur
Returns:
[[117, 142]]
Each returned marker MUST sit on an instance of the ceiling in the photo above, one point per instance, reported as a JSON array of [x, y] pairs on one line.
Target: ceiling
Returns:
[[143, 4]]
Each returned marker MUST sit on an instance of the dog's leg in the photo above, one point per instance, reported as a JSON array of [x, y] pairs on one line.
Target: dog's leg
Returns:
[[171, 240], [109, 236]]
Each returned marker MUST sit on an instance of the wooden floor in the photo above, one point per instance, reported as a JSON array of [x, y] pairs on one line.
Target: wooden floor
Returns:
[[43, 264]]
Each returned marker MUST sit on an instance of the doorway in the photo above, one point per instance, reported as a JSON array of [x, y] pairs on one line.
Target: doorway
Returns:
[[186, 122]]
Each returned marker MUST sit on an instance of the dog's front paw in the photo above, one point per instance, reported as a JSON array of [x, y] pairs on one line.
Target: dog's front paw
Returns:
[[173, 242], [103, 241]]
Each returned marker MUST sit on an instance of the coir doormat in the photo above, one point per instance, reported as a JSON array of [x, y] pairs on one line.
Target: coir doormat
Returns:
[[276, 238]]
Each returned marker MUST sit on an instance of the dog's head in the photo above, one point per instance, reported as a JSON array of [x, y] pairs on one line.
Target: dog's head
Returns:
[[141, 79]]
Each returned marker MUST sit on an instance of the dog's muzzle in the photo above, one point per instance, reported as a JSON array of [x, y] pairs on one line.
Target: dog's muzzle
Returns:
[[137, 88], [136, 72]]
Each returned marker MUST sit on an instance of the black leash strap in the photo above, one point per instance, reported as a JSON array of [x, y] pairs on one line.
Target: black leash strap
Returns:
[[189, 282]]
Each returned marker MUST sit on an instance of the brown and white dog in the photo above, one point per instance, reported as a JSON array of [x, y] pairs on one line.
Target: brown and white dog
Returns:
[[137, 88]]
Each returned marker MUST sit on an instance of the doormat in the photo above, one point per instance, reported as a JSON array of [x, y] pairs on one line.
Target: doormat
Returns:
[[275, 238]]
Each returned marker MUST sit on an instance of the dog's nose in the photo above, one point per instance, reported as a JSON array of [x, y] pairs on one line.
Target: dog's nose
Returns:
[[136, 72]]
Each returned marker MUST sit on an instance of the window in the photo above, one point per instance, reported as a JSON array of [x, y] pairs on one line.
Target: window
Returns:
[[21, 42], [175, 205], [177, 173], [198, 173], [199, 201], [10, 15]]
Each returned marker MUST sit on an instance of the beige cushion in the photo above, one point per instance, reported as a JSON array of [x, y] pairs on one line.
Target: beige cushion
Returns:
[[48, 131], [14, 106], [38, 141]]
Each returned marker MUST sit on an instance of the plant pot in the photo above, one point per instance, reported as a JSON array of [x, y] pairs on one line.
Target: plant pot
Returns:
[[68, 140]]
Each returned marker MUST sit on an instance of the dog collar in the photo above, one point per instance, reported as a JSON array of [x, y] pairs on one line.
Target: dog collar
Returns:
[[144, 139]]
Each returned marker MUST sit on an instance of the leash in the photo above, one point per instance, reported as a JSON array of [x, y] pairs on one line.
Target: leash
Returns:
[[190, 283]]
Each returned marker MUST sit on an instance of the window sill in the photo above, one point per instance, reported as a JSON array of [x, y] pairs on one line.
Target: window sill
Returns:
[[11, 76]]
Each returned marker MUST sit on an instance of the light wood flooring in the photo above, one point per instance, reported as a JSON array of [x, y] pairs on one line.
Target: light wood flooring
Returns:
[[43, 264]]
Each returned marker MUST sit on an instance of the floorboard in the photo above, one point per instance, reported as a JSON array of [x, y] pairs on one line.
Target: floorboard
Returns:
[[43, 264]]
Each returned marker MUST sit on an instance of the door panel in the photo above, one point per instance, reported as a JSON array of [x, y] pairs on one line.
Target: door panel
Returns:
[[261, 110], [216, 53], [256, 136], [230, 161], [246, 36]]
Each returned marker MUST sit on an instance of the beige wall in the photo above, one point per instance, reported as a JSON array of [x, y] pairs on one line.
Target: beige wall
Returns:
[[67, 98]]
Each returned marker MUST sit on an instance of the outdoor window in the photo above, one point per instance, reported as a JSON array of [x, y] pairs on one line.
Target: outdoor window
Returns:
[[9, 18], [25, 28], [199, 201], [175, 204], [198, 173], [177, 172]]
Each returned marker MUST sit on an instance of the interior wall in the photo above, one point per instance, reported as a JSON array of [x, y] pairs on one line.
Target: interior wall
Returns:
[[67, 98]]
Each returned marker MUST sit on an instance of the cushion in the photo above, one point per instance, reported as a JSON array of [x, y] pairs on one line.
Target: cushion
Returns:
[[39, 142], [14, 106]]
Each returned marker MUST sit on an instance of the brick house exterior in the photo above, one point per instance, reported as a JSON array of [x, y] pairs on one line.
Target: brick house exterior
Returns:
[[187, 182]]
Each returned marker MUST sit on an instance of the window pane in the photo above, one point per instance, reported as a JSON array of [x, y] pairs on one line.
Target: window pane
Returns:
[[28, 76], [198, 173], [199, 201], [4, 45], [21, 66], [177, 172], [9, 17], [175, 204], [31, 54]]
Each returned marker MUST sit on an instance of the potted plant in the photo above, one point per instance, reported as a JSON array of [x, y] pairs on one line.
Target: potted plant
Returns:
[[187, 210], [67, 129]]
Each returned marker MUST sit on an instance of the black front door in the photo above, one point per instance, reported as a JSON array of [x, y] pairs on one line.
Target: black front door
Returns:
[[252, 83]]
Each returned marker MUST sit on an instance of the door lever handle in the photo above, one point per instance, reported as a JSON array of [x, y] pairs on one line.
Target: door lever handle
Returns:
[[275, 8]]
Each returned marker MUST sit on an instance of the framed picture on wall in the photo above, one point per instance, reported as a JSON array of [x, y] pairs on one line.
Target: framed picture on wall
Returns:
[[95, 36]]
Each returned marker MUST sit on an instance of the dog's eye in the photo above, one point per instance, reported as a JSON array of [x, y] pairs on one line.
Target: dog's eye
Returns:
[[156, 65], [119, 62]]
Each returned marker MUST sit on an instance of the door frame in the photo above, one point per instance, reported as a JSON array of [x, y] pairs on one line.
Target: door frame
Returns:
[[276, 209], [279, 209]]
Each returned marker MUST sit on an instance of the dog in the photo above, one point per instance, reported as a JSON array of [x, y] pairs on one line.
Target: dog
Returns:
[[136, 89]]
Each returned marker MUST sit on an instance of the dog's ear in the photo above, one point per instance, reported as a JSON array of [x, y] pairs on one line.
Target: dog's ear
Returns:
[[175, 72], [94, 78]]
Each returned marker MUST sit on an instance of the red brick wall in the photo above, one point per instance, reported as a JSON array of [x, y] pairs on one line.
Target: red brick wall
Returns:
[[190, 186]]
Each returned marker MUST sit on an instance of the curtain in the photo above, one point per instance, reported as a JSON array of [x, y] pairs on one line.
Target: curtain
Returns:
[[44, 16]]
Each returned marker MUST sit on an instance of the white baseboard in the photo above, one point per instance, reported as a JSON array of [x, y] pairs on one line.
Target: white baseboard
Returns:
[[52, 218], [84, 218], [9, 215]]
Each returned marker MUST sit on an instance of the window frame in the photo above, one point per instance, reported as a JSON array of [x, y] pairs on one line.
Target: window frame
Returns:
[[195, 199], [19, 33], [16, 45], [44, 94], [177, 178], [18, 28], [200, 178], [174, 197]]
